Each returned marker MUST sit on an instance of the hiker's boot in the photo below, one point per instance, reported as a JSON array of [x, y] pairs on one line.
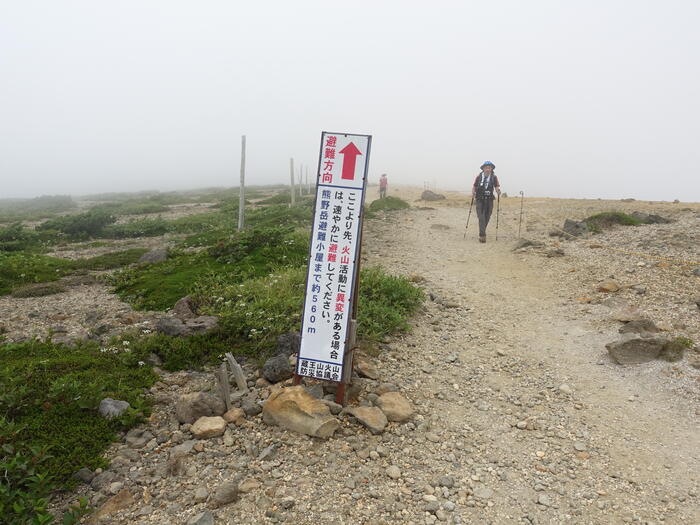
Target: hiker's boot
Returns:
[[482, 238]]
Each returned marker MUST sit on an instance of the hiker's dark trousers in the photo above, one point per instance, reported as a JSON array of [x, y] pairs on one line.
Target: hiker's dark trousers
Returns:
[[484, 208]]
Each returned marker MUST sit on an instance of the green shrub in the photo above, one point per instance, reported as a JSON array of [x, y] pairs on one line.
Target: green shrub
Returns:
[[18, 269], [81, 225], [388, 204], [110, 260], [604, 221], [158, 286], [131, 207], [255, 312], [50, 393], [136, 228]]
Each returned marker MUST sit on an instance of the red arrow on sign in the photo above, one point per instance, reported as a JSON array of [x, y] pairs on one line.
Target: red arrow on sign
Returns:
[[350, 153]]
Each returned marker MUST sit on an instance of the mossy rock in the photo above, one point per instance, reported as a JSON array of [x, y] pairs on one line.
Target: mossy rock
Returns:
[[38, 290]]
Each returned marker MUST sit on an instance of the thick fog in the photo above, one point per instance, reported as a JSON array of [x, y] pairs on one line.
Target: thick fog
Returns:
[[568, 99]]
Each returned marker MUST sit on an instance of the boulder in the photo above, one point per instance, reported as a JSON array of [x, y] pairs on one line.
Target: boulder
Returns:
[[288, 344], [634, 351], [225, 494], [395, 406], [155, 255], [277, 369], [171, 326], [639, 326], [628, 314], [294, 409], [649, 218], [366, 369], [371, 417], [428, 195], [190, 407], [575, 228], [234, 415], [208, 427], [201, 324], [184, 309], [110, 408]]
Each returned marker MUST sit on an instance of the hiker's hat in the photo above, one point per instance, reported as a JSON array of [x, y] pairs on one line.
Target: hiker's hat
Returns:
[[487, 163]]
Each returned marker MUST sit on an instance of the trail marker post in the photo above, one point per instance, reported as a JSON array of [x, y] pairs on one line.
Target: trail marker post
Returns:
[[241, 193], [329, 320], [291, 178]]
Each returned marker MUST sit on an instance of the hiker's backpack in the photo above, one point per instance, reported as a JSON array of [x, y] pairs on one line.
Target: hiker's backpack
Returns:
[[484, 188]]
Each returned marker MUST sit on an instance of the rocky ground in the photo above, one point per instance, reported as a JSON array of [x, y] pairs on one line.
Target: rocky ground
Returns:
[[520, 415]]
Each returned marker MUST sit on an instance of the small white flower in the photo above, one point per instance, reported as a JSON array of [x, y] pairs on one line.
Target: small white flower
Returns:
[[125, 343], [141, 363]]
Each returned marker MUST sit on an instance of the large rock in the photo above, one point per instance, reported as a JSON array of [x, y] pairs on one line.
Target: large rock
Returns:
[[428, 195], [366, 369], [277, 369], [190, 407], [110, 408], [294, 409], [208, 427], [395, 406], [288, 344], [634, 351], [201, 324], [155, 255], [184, 309], [171, 326], [203, 518], [649, 218], [371, 417], [575, 228]]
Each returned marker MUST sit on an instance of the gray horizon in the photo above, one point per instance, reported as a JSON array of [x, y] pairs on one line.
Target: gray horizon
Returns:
[[574, 101]]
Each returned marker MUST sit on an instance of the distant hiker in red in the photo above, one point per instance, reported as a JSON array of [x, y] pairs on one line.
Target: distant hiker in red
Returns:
[[383, 184], [485, 185]]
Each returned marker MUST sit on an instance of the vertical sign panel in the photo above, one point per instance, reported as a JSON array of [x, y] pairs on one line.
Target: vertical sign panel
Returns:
[[333, 255]]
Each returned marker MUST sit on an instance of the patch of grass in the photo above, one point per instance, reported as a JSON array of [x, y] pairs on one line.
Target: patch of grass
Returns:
[[255, 312], [38, 290], [243, 255], [136, 228], [80, 225], [386, 302], [158, 286], [131, 207], [388, 204], [48, 407], [110, 260], [20, 269], [606, 220]]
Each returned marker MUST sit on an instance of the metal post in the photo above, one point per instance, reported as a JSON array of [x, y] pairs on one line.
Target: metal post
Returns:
[[291, 178], [522, 196], [299, 180], [498, 213], [241, 191]]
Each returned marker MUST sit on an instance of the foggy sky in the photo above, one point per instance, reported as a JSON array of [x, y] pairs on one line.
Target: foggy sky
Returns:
[[568, 99]]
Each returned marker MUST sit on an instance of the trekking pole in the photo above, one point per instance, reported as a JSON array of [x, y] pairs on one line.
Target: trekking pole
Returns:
[[468, 215], [522, 195], [498, 212]]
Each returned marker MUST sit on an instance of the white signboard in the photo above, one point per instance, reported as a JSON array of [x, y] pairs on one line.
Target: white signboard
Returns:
[[333, 255]]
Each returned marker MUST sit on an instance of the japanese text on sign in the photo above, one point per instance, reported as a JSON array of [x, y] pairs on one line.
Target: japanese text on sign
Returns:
[[331, 274]]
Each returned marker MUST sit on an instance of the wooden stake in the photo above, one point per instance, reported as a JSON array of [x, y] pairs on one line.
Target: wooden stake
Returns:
[[241, 196], [291, 178]]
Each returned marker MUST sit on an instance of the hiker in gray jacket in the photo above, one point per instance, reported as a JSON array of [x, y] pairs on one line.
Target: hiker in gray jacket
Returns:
[[485, 187]]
